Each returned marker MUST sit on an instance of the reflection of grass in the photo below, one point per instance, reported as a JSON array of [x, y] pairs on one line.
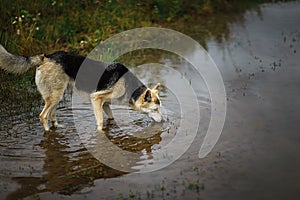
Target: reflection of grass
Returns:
[[18, 96]]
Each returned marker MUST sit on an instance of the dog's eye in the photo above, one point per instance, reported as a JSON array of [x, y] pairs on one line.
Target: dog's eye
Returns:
[[155, 109]]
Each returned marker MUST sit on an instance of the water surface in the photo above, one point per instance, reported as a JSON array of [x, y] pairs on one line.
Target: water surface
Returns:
[[257, 156]]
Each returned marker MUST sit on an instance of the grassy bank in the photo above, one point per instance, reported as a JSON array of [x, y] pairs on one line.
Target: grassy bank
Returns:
[[30, 27]]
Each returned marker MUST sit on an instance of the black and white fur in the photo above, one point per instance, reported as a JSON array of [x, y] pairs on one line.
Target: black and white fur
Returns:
[[103, 81]]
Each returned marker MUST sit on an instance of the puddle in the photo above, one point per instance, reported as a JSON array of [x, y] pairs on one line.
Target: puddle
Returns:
[[256, 156], [69, 159]]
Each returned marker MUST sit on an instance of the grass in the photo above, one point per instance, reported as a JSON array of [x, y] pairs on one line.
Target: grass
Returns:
[[31, 27]]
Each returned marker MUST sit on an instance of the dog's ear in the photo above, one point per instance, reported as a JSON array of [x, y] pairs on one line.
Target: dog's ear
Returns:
[[132, 101], [147, 96], [156, 86]]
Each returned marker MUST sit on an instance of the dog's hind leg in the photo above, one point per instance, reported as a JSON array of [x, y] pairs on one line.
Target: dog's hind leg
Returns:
[[51, 82], [53, 117], [50, 103], [107, 111]]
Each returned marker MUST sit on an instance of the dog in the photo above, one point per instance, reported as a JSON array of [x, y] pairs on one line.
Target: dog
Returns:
[[103, 81]]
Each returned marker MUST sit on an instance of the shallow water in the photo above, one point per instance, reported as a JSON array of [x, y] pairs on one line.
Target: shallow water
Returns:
[[256, 157]]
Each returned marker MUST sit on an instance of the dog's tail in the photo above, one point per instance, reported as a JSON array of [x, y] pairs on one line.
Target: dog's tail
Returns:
[[18, 64]]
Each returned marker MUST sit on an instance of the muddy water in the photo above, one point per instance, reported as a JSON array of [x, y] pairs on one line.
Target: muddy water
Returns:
[[256, 157]]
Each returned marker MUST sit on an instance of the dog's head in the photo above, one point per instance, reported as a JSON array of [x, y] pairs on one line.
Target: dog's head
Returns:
[[149, 103]]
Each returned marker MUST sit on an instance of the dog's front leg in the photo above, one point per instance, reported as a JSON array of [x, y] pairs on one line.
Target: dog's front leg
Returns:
[[108, 111], [97, 106]]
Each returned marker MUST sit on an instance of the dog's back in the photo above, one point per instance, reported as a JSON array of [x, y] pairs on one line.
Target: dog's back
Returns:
[[92, 76]]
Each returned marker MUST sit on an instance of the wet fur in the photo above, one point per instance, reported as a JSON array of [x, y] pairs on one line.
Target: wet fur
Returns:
[[55, 71]]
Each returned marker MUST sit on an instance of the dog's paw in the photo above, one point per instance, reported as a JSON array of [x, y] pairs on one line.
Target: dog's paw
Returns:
[[54, 124], [57, 125], [100, 130], [110, 121]]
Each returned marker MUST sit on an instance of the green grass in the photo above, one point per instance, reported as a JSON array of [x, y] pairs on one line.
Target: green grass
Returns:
[[31, 27]]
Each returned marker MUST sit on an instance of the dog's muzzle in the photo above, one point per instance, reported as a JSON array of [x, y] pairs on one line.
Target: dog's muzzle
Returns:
[[155, 116]]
